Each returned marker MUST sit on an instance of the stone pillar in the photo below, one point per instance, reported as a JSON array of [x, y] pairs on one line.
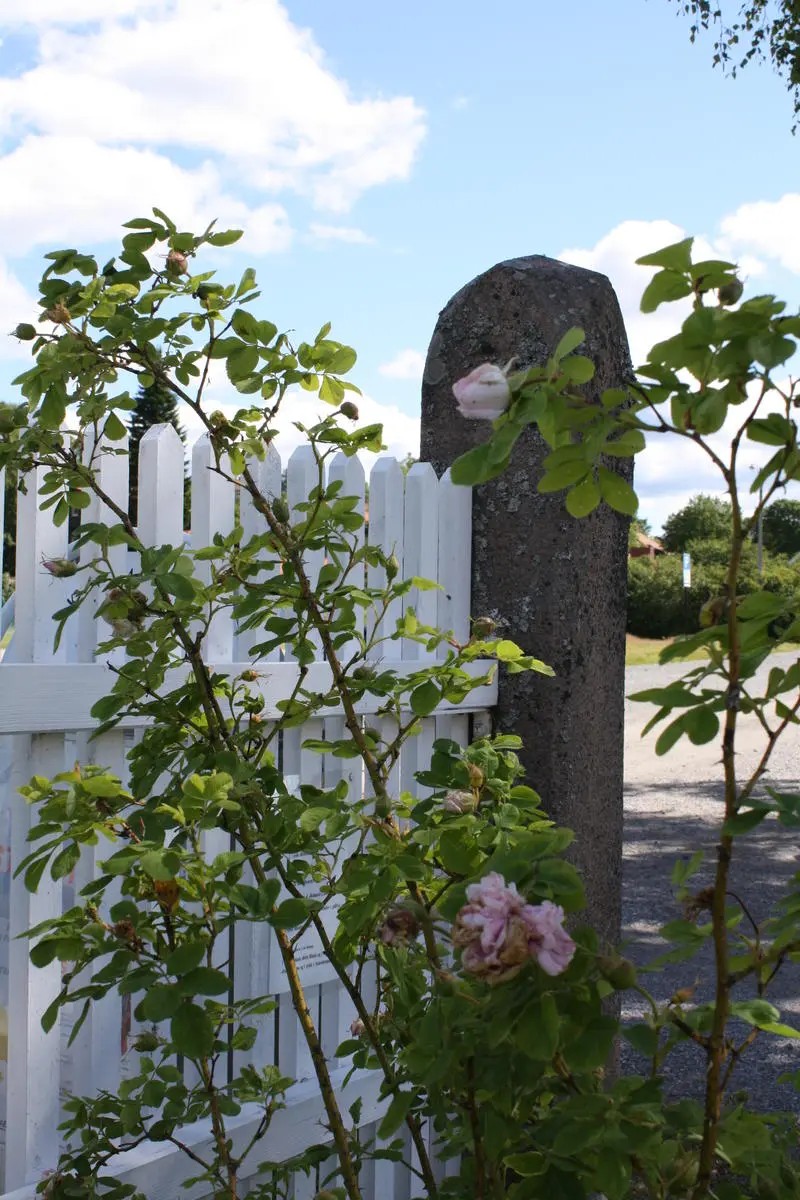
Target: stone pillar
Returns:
[[555, 585]]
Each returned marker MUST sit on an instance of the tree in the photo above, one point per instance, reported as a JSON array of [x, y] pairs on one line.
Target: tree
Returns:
[[702, 518], [638, 525], [155, 405], [782, 527], [763, 29]]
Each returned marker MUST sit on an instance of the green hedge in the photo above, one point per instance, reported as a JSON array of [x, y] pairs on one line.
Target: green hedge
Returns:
[[658, 605]]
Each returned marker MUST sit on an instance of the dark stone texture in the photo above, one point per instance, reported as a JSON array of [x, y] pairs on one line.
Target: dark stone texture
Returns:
[[556, 585]]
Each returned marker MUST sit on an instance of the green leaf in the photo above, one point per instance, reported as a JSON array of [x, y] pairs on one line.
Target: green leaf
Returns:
[[343, 361], [527, 1165], [676, 257], [114, 429], [162, 865], [578, 369], [423, 699], [396, 1114], [160, 1002], [663, 288], [537, 1030], [569, 342], [563, 476], [65, 860], [475, 466], [617, 492], [773, 430], [185, 958], [701, 724], [290, 913], [642, 1037], [226, 237], [204, 981], [583, 499], [192, 1032], [241, 363], [245, 326]]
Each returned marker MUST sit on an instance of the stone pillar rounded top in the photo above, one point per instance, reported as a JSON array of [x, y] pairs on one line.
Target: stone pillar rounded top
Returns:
[[556, 585]]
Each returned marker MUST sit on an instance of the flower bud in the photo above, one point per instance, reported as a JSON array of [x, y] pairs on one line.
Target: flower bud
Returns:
[[392, 566], [620, 972], [59, 314], [730, 293], [176, 263], [484, 394], [348, 409], [483, 627], [249, 676], [146, 1042], [281, 510], [357, 1027], [364, 673], [25, 332], [459, 802], [62, 568]]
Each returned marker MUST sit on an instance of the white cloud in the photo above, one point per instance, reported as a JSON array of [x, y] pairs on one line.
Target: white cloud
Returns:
[[768, 227], [56, 12], [99, 187], [341, 233], [16, 306], [615, 256], [234, 80], [408, 364]]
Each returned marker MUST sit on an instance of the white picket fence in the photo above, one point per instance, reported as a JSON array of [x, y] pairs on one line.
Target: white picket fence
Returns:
[[45, 703]]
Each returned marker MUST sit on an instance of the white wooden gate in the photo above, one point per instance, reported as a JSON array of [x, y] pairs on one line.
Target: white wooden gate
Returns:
[[45, 702]]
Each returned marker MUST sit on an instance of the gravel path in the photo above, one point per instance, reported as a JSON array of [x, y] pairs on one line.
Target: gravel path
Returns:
[[672, 807]]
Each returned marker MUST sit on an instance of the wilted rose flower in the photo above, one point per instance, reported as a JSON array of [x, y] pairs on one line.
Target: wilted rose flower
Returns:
[[459, 802], [357, 1027], [484, 394], [498, 931], [398, 927]]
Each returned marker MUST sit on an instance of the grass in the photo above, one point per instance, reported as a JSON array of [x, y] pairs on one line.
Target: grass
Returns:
[[640, 651], [6, 638]]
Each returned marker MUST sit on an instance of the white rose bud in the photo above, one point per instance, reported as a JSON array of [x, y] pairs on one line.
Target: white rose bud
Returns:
[[484, 394]]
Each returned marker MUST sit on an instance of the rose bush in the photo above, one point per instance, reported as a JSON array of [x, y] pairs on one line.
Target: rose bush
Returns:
[[484, 1018]]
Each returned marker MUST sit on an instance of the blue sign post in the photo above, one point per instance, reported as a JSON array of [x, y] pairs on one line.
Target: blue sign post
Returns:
[[687, 570]]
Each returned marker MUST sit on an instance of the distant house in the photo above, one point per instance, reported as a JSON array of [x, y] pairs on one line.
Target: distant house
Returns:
[[644, 546]]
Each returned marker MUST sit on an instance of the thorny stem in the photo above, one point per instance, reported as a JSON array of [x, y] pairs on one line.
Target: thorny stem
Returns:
[[477, 1141], [716, 1048]]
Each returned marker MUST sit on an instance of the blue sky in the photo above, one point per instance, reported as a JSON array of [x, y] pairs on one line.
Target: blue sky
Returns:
[[381, 155]]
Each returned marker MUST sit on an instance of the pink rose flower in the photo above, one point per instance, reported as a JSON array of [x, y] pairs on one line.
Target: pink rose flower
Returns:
[[498, 932], [484, 394]]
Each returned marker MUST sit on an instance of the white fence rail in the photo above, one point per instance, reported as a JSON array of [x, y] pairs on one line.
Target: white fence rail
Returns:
[[45, 703]]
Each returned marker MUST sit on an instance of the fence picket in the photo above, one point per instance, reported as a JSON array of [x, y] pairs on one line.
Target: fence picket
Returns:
[[213, 502], [266, 473], [454, 572], [34, 1057], [386, 505], [424, 521], [111, 471], [161, 475]]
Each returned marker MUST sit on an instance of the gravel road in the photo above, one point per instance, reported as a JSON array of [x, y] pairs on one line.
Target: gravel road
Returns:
[[672, 807]]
